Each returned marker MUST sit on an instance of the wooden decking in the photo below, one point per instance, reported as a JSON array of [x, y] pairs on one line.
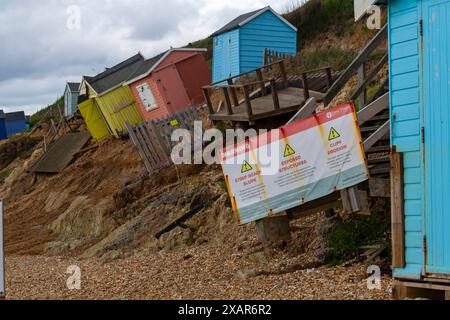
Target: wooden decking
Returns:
[[290, 100], [266, 98]]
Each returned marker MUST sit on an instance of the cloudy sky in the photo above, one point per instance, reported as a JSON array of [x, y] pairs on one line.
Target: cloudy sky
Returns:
[[42, 46]]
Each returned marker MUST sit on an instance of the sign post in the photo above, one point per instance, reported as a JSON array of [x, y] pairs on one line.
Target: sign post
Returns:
[[2, 258]]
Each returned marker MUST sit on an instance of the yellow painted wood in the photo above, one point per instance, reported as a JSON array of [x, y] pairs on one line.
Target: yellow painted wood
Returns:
[[94, 120], [119, 107]]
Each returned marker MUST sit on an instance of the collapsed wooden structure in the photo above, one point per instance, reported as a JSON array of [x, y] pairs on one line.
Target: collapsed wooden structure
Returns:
[[267, 97]]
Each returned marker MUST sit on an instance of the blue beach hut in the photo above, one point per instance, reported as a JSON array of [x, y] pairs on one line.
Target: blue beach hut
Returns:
[[239, 45]]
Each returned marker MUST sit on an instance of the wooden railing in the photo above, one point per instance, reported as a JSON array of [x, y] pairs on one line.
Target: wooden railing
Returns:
[[359, 66], [270, 56], [231, 89]]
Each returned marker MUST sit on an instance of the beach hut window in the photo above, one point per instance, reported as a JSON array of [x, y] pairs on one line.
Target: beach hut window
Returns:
[[147, 97]]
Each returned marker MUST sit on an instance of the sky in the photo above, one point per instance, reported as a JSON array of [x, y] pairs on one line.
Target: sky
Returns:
[[44, 44]]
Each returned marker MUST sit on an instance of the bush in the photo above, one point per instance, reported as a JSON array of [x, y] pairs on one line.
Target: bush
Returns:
[[344, 241]]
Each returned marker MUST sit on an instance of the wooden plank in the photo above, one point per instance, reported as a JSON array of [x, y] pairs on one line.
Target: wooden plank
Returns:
[[339, 84], [248, 102], [262, 85], [283, 74], [186, 216], [146, 148], [377, 136], [276, 101], [328, 202], [307, 110], [233, 93], [227, 100], [138, 146], [366, 81], [305, 86], [397, 211], [208, 101], [362, 97]]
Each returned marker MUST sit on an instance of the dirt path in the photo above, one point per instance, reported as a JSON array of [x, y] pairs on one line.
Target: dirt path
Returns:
[[196, 273]]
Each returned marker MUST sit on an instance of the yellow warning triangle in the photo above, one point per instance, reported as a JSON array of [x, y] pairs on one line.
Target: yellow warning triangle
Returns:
[[333, 134], [246, 167], [288, 151]]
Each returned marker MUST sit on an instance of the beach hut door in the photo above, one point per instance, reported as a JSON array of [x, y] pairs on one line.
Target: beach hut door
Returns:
[[435, 30]]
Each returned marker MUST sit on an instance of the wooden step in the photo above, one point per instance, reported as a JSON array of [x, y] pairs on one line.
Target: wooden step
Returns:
[[379, 149]]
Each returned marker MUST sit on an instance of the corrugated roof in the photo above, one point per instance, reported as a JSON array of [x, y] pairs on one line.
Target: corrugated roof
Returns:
[[146, 65], [15, 116], [116, 75], [73, 86], [234, 24]]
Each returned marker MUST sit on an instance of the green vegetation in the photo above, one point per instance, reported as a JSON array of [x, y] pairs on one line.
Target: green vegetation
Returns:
[[18, 146], [50, 112], [344, 242], [4, 174], [333, 57], [318, 16]]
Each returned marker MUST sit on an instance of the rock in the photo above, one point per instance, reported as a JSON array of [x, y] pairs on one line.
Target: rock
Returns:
[[111, 256]]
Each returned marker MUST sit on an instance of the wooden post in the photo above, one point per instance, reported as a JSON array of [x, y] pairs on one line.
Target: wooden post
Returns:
[[265, 60], [397, 211], [272, 230], [363, 96], [276, 101], [305, 86], [208, 101], [283, 74], [227, 100], [233, 92], [248, 103], [329, 77], [263, 85]]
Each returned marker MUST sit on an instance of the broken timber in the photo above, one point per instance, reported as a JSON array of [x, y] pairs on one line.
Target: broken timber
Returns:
[[61, 153], [188, 215]]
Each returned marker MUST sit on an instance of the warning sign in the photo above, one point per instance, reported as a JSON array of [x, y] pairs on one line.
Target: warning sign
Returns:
[[333, 134], [309, 159], [246, 167], [288, 151]]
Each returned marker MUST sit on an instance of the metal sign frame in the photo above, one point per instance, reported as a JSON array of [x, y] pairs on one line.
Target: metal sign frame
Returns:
[[2, 256]]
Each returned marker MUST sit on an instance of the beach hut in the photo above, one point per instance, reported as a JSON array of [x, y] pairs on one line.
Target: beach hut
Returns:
[[239, 45], [15, 123], [3, 134], [419, 59], [106, 104], [71, 94], [170, 82]]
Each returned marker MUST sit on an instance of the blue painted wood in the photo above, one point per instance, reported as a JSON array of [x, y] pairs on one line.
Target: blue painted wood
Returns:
[[70, 102], [3, 133], [226, 55], [15, 127], [405, 106], [436, 57], [242, 49], [418, 102], [266, 31]]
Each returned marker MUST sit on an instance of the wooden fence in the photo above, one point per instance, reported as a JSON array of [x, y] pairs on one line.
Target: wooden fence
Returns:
[[152, 138], [271, 56]]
